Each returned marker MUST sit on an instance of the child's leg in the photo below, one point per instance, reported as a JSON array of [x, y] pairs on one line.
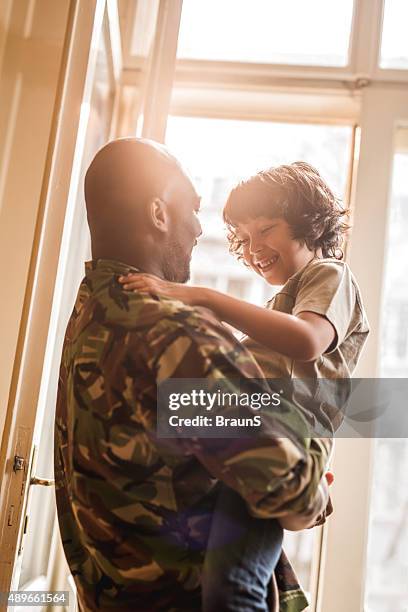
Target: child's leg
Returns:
[[241, 555]]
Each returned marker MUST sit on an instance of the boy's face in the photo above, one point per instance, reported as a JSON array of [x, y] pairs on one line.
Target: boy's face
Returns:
[[269, 249]]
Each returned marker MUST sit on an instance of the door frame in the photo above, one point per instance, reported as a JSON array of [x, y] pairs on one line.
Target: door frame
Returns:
[[58, 190]]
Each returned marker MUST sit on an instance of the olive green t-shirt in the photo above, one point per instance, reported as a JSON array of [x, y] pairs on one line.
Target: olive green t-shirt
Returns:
[[326, 287]]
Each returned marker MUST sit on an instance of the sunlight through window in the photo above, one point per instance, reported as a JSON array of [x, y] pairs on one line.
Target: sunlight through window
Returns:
[[394, 44], [314, 33]]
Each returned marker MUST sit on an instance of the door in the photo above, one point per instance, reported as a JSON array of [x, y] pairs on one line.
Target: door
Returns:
[[84, 108]]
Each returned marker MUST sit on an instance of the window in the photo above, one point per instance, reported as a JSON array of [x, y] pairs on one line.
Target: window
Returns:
[[299, 548], [394, 43], [387, 568], [395, 320], [280, 31], [42, 559], [205, 280], [387, 571], [220, 190], [238, 287]]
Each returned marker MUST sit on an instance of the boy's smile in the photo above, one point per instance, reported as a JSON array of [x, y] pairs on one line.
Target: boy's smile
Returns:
[[266, 264], [269, 249]]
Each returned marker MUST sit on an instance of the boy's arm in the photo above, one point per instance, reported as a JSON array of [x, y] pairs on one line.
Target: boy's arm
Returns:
[[303, 338]]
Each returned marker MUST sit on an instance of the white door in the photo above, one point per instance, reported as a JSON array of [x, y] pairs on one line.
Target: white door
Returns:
[[29, 542]]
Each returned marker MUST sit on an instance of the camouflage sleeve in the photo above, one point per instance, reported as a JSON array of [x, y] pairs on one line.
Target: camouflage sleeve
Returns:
[[277, 473], [316, 514]]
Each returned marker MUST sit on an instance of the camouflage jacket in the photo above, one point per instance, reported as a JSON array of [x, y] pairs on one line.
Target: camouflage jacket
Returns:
[[134, 510]]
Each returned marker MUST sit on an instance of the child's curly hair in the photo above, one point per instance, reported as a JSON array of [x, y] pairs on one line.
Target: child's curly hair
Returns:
[[298, 194]]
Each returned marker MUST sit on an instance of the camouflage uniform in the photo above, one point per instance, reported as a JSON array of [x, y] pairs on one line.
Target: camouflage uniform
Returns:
[[135, 510]]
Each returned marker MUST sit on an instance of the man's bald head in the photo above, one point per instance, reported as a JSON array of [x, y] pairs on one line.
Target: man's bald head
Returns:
[[133, 188], [123, 177]]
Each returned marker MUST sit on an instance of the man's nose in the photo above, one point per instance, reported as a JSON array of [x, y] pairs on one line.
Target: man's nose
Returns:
[[199, 229]]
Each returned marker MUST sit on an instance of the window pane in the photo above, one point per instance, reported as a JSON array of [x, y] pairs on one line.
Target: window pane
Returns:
[[387, 564], [394, 353], [314, 33], [39, 545], [394, 44], [219, 153], [299, 547]]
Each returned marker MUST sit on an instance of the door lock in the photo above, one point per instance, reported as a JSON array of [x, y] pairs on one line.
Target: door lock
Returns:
[[18, 464]]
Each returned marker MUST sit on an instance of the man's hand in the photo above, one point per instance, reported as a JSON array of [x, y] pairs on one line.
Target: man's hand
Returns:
[[298, 522]]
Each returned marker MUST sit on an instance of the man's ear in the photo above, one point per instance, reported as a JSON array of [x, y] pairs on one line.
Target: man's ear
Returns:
[[159, 214]]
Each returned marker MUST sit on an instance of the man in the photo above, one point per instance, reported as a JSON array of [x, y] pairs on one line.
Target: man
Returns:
[[135, 510]]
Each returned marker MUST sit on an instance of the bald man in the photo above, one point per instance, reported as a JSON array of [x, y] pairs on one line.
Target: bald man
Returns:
[[135, 510], [142, 208]]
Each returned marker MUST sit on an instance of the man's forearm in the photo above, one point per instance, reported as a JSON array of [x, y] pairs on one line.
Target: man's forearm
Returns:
[[320, 509], [299, 494], [270, 490]]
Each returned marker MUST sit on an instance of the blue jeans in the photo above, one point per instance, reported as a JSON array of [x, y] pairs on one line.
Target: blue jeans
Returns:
[[241, 556]]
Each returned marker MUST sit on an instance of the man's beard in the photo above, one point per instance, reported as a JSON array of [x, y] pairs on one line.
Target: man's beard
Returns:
[[176, 263]]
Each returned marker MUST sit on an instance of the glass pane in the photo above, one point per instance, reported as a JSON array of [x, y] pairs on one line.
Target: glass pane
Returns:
[[219, 153], [387, 566], [394, 350], [314, 33], [299, 547], [387, 563], [394, 44], [41, 547]]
